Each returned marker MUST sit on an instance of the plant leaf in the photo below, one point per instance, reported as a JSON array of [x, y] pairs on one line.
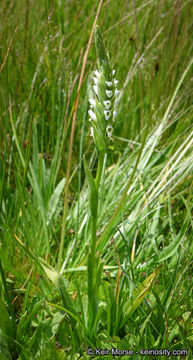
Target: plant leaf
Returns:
[[138, 295], [172, 248], [54, 199]]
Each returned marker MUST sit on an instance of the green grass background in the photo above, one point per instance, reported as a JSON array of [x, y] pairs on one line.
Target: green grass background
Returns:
[[41, 56]]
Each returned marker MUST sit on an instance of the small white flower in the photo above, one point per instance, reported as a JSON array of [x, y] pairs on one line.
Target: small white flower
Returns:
[[113, 72], [92, 102], [117, 92], [95, 80], [107, 104], [91, 132], [116, 102], [109, 130], [107, 114], [114, 115], [97, 73], [109, 83], [95, 89], [116, 82], [109, 93], [92, 115]]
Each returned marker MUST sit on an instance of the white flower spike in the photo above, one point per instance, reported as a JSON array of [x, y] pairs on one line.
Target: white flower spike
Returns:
[[114, 115], [109, 83], [92, 102], [107, 104], [92, 115], [95, 80], [91, 132], [103, 96], [95, 89], [109, 93], [97, 73], [107, 114], [109, 131]]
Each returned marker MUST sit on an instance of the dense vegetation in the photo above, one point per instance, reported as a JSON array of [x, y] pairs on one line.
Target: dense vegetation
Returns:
[[142, 283]]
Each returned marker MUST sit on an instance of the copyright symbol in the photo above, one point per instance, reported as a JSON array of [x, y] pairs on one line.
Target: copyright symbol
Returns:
[[90, 351]]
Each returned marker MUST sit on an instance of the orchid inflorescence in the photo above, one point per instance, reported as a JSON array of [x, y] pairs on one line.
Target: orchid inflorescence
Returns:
[[103, 94]]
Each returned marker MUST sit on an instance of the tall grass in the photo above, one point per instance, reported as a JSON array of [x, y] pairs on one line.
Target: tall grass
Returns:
[[143, 250]]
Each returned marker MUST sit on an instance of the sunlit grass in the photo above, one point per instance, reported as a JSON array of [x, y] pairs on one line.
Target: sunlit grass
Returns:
[[143, 250]]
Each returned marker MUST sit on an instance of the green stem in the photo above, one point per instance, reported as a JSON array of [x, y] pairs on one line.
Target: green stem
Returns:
[[101, 156], [93, 240], [94, 219], [91, 267], [91, 275]]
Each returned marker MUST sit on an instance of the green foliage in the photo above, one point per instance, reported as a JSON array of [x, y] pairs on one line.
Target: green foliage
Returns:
[[125, 280]]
